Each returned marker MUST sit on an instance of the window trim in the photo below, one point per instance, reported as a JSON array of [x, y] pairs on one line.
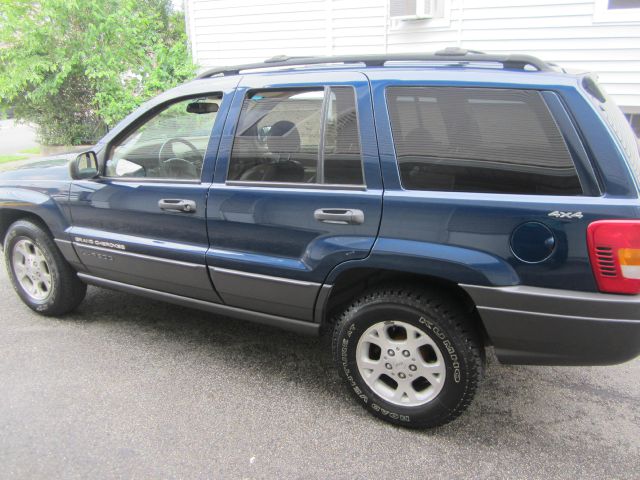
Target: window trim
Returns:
[[326, 89], [141, 120], [187, 181], [309, 186], [588, 176], [323, 130], [587, 189]]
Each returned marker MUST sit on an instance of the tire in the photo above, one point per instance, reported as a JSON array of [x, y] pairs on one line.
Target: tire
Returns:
[[436, 336], [50, 285]]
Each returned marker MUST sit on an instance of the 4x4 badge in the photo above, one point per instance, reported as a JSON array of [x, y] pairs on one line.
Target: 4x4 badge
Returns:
[[558, 214]]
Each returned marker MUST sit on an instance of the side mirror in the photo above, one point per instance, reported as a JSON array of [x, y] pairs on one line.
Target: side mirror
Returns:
[[84, 166]]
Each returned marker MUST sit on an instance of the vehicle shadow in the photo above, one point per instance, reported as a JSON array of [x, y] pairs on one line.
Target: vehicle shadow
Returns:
[[271, 350]]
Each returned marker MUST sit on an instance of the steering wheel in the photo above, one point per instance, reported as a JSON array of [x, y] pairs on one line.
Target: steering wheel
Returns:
[[176, 166], [179, 168]]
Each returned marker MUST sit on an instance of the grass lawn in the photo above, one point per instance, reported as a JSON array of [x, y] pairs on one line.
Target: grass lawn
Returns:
[[31, 151], [21, 155], [11, 158]]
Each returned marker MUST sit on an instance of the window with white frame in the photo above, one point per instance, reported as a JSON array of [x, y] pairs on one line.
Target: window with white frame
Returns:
[[622, 4], [634, 120], [618, 11], [418, 13]]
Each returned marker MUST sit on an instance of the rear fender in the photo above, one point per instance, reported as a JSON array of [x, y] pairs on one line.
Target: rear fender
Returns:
[[447, 262]]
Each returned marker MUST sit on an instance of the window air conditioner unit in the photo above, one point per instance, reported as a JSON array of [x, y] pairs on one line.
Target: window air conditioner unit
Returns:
[[411, 9]]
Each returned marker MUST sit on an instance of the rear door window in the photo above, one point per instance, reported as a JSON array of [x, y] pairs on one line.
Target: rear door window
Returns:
[[300, 136], [479, 140]]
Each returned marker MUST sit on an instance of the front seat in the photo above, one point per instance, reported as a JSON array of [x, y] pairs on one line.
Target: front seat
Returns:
[[283, 142], [417, 162]]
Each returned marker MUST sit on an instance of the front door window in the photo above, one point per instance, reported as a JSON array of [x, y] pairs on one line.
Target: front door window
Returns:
[[169, 145]]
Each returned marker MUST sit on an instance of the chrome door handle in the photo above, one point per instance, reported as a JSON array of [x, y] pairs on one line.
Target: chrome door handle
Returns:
[[177, 205], [342, 216]]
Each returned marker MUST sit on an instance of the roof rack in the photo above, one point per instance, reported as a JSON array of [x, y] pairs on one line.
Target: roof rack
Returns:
[[451, 54]]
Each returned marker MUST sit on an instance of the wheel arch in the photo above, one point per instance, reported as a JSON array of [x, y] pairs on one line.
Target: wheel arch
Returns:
[[352, 282], [36, 205], [64, 289], [8, 216]]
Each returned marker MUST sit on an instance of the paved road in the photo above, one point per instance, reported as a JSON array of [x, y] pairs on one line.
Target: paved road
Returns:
[[130, 388], [15, 138]]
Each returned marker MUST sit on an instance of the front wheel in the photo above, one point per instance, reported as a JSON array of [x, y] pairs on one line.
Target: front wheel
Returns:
[[39, 273], [409, 356]]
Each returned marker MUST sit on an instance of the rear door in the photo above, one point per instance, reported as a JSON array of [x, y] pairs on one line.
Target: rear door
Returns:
[[297, 189], [486, 167]]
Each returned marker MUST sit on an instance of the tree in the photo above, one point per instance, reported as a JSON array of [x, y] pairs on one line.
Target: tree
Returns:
[[73, 67]]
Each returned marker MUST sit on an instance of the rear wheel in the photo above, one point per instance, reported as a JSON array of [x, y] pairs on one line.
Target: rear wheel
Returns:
[[409, 355], [39, 273]]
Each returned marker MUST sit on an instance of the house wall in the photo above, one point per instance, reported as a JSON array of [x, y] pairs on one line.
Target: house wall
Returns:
[[571, 33]]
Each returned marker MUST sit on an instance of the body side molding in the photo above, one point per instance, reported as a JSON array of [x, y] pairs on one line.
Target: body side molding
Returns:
[[552, 301], [136, 255], [298, 326], [320, 309], [156, 273], [275, 295], [259, 276], [69, 253]]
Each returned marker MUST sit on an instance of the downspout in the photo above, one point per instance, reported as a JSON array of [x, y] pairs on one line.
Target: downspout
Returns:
[[190, 27], [386, 27], [460, 14], [329, 25]]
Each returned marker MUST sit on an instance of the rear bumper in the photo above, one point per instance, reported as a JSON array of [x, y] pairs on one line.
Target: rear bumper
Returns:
[[539, 326]]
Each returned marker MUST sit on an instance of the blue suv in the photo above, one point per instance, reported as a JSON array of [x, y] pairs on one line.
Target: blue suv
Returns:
[[416, 209]]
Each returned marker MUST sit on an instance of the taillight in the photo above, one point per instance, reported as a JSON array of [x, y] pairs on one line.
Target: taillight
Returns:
[[614, 249]]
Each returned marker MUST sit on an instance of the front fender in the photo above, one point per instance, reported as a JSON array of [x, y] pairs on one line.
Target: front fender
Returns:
[[455, 264], [49, 203]]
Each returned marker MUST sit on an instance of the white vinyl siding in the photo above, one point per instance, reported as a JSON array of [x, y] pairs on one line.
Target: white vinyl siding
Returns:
[[566, 32]]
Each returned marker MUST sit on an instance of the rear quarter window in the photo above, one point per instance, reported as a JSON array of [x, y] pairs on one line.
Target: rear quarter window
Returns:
[[479, 140], [621, 129]]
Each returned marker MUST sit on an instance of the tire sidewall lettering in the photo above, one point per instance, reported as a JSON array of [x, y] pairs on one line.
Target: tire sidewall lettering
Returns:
[[344, 358], [448, 346]]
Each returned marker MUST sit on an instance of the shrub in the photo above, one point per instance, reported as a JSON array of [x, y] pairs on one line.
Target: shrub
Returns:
[[74, 67]]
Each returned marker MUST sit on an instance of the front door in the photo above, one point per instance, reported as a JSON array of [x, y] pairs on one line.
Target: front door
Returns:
[[143, 222], [297, 189]]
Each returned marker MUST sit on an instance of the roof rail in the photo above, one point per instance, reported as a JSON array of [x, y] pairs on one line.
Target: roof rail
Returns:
[[451, 54]]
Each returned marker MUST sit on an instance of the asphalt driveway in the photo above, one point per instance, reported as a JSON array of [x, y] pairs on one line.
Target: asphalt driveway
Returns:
[[15, 137], [131, 388]]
